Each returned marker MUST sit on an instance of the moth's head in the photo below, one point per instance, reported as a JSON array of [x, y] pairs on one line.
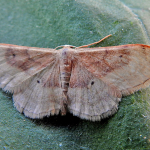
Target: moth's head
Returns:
[[65, 46]]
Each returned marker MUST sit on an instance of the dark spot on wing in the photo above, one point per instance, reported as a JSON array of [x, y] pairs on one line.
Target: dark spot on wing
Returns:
[[143, 48], [38, 81], [92, 82]]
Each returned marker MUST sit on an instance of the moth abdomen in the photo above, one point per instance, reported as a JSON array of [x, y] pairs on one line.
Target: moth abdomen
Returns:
[[65, 69]]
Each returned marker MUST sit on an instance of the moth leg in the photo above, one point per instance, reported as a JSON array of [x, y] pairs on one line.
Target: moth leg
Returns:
[[95, 42]]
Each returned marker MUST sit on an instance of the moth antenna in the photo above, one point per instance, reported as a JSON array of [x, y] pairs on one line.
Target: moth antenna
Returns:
[[95, 42]]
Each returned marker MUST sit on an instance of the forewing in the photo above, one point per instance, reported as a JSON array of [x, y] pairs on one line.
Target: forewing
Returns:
[[124, 68], [31, 74]]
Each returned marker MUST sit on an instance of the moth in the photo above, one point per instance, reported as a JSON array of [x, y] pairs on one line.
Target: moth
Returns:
[[87, 82]]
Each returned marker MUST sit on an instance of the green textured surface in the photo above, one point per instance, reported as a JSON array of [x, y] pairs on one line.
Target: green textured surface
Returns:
[[52, 23]]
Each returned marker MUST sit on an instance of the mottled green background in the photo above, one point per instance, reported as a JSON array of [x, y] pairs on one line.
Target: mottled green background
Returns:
[[51, 23]]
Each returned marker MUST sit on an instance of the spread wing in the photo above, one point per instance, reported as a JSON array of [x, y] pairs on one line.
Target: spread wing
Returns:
[[100, 76], [31, 74]]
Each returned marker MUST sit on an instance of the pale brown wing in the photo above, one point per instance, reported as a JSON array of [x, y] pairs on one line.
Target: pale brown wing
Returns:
[[88, 96], [111, 72], [42, 94], [31, 74], [126, 68]]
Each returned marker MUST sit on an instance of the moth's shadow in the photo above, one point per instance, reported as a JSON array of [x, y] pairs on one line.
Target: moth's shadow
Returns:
[[58, 121], [69, 121]]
